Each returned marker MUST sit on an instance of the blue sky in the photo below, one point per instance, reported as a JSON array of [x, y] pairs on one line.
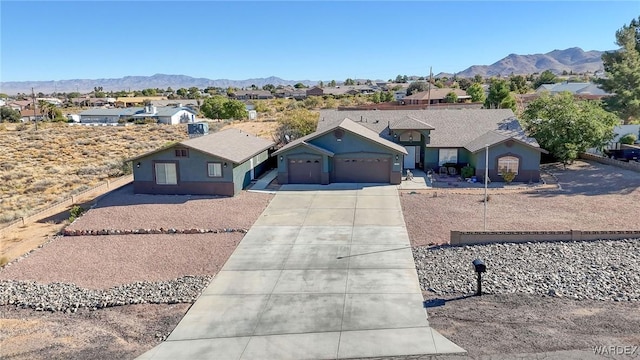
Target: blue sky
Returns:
[[294, 40]]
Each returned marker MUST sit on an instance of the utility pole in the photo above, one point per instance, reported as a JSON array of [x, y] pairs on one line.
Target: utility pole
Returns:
[[35, 114], [429, 88]]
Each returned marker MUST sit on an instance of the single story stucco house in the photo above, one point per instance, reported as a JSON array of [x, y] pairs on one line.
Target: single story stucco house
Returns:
[[222, 163], [378, 146]]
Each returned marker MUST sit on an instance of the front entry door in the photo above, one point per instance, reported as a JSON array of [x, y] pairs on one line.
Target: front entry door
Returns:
[[410, 158]]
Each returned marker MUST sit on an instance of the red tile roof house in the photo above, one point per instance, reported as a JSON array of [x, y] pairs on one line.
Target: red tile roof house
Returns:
[[379, 146], [221, 163]]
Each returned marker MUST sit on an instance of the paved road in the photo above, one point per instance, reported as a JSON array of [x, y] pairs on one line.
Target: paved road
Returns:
[[322, 274]]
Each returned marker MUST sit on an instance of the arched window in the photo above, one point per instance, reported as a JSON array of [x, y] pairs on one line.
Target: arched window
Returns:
[[508, 163]]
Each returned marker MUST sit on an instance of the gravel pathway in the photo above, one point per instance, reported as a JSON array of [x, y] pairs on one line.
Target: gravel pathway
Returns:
[[598, 270], [101, 262]]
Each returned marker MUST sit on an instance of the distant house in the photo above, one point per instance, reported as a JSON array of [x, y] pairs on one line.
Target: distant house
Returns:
[[435, 96], [20, 105], [107, 116], [221, 163], [29, 115], [576, 88], [127, 101], [252, 95], [378, 146], [342, 90]]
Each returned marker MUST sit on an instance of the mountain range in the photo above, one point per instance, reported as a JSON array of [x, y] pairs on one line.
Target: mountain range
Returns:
[[573, 60]]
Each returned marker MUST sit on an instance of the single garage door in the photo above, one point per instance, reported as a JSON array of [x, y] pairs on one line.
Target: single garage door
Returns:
[[362, 170], [304, 171]]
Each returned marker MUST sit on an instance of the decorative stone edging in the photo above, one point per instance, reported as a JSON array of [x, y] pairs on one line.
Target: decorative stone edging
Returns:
[[68, 232]]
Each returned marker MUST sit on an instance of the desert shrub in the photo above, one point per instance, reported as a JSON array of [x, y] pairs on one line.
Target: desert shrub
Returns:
[[467, 172], [629, 139], [75, 212], [508, 176], [40, 186], [22, 127], [4, 261]]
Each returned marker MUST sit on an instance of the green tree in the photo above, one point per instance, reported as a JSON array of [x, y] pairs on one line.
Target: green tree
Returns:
[[182, 93], [332, 83], [622, 68], [8, 114], [518, 84], [3, 96], [98, 92], [499, 96], [451, 97], [478, 79], [193, 93], [235, 109], [567, 127], [295, 124], [299, 86], [269, 87], [349, 82], [386, 96], [547, 77], [375, 97], [213, 107], [416, 87], [476, 92], [312, 102], [321, 84], [464, 83]]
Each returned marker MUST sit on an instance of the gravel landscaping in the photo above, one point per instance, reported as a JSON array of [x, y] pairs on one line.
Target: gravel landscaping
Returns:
[[592, 197], [101, 262], [598, 270], [69, 298], [124, 210]]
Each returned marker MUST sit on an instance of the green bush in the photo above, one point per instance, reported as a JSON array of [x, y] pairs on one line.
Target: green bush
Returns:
[[467, 172], [629, 139], [75, 212]]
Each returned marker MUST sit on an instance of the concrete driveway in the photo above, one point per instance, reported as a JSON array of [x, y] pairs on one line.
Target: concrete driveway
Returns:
[[326, 272]]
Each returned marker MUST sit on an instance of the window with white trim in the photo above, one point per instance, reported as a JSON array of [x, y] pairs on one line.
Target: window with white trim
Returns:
[[447, 156], [166, 174], [508, 163], [214, 169]]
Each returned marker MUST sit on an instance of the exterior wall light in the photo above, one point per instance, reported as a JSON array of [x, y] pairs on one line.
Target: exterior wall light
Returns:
[[397, 158], [138, 164], [225, 165], [281, 158]]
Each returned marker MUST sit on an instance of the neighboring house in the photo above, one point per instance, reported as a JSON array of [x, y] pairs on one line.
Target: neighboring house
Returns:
[[20, 105], [169, 115], [378, 146], [93, 102], [221, 163], [434, 96], [107, 116]]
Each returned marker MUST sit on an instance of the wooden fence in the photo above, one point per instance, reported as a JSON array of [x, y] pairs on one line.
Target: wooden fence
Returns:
[[66, 203]]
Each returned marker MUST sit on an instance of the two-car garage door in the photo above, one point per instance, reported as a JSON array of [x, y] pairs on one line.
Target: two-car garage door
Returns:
[[362, 169]]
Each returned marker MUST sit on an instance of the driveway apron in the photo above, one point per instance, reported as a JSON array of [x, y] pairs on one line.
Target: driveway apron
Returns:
[[326, 272]]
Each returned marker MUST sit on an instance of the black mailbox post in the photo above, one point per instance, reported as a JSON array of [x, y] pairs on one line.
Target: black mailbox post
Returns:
[[479, 267]]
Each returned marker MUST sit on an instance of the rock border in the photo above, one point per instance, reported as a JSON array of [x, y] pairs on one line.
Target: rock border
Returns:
[[103, 232]]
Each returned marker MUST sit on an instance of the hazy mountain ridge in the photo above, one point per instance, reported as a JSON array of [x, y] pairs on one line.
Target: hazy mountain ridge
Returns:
[[573, 60], [161, 81]]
